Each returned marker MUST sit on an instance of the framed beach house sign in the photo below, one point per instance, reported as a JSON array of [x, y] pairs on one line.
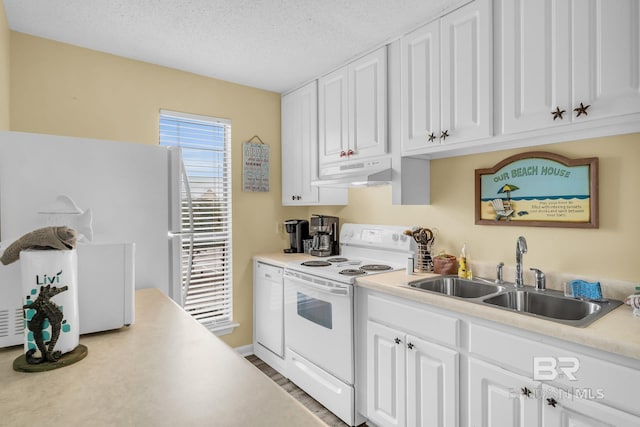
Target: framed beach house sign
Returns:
[[538, 189]]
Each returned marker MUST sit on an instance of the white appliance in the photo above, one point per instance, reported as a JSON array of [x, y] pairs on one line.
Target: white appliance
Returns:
[[128, 188], [319, 318], [269, 331]]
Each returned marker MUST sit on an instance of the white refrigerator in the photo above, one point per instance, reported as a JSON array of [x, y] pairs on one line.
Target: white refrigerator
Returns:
[[133, 191]]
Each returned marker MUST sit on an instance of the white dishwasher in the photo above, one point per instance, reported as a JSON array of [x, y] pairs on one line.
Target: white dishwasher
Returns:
[[268, 294]]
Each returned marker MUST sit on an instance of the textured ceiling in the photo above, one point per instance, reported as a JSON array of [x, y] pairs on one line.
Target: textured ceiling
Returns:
[[268, 44]]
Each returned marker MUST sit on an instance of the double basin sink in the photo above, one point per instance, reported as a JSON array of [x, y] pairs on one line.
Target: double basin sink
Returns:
[[548, 304]]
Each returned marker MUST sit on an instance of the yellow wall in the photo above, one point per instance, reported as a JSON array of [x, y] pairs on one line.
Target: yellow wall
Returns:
[[65, 90], [611, 251], [4, 70]]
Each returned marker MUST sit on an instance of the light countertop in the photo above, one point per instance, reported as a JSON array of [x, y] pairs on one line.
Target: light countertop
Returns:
[[280, 259], [164, 370], [617, 332]]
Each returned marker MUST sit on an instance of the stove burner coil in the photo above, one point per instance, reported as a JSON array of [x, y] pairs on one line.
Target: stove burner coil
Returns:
[[338, 259], [352, 272], [316, 264], [375, 267]]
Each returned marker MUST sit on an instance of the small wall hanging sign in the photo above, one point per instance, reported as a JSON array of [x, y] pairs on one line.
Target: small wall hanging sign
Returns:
[[255, 166], [538, 189]]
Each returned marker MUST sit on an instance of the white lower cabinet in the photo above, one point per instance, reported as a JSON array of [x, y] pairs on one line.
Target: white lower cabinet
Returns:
[[499, 398], [561, 408], [412, 382], [385, 375], [421, 365], [432, 384]]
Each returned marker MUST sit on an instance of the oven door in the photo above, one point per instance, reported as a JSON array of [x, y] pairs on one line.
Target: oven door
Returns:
[[319, 322]]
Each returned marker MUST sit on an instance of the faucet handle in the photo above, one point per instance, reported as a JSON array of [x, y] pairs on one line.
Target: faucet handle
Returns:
[[499, 275], [540, 279]]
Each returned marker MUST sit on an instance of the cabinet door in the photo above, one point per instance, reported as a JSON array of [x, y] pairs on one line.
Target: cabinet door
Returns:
[[420, 87], [498, 398], [569, 410], [606, 57], [299, 146], [466, 54], [385, 375], [368, 105], [333, 116], [432, 384], [534, 52]]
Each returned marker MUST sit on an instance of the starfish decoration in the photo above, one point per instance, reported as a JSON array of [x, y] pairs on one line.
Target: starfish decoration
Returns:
[[432, 137], [444, 135], [582, 109], [557, 114]]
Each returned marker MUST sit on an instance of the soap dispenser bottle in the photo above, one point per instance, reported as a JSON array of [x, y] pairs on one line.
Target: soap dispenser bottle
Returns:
[[462, 263]]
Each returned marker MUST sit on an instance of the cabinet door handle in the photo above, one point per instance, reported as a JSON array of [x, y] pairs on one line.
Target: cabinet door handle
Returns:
[[557, 113], [397, 340], [343, 154], [552, 402], [293, 197], [350, 153], [526, 391], [432, 137], [410, 345], [582, 109], [444, 134]]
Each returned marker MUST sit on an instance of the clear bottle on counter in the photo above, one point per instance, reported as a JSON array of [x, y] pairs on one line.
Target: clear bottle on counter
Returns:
[[410, 265]]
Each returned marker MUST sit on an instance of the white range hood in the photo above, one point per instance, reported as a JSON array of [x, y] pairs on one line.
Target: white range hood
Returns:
[[365, 173]]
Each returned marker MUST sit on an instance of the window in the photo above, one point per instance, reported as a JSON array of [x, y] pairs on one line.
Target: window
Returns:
[[205, 215]]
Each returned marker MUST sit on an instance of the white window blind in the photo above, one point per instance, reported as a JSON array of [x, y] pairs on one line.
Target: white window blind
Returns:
[[205, 143]]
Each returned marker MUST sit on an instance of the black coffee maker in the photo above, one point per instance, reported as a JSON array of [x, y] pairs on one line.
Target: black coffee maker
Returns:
[[298, 230]]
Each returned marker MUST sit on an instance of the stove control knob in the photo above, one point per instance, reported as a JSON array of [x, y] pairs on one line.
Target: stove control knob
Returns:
[[403, 238], [394, 237]]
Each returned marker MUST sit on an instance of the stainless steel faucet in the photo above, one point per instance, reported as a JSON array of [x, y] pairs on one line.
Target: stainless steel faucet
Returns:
[[521, 249], [499, 275], [541, 283]]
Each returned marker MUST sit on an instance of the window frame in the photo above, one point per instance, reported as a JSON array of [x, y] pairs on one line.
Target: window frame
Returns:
[[216, 226]]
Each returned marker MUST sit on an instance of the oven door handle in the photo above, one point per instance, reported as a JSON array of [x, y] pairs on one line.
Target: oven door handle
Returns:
[[342, 291]]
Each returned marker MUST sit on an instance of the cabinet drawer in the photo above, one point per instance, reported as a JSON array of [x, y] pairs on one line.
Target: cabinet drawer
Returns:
[[575, 372], [417, 321]]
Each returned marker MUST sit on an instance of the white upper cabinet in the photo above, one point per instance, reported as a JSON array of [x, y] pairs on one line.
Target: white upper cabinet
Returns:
[[467, 90], [446, 80], [605, 57], [353, 110], [420, 81], [557, 56], [300, 151], [333, 116]]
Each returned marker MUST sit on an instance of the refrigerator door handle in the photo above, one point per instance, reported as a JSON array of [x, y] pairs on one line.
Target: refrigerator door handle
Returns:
[[179, 186], [187, 282], [181, 233]]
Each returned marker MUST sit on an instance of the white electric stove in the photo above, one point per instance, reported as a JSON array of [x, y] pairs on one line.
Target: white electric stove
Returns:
[[319, 320], [364, 250]]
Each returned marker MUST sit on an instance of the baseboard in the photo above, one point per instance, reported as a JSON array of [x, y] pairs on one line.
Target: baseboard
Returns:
[[245, 350]]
